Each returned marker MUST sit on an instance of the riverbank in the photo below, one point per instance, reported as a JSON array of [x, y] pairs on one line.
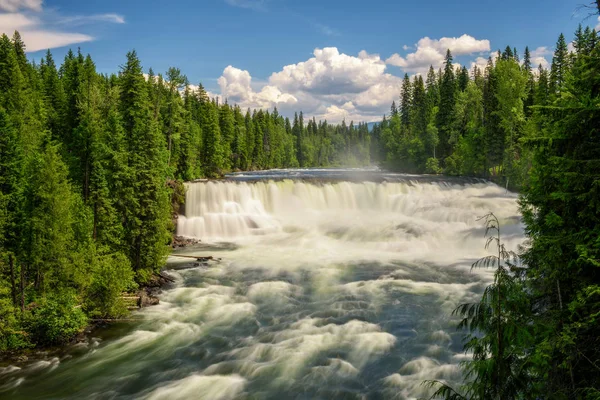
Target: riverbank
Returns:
[[147, 295]]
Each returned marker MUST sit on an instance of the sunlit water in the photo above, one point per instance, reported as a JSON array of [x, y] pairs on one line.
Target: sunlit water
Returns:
[[328, 288]]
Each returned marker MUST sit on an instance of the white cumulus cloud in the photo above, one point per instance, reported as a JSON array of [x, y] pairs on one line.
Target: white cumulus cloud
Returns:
[[433, 51], [330, 85], [330, 72]]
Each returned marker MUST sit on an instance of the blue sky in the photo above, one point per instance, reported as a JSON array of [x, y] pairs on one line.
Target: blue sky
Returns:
[[239, 49]]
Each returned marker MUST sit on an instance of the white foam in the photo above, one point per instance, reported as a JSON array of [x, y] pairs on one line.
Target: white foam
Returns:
[[9, 369], [201, 387], [268, 291], [409, 379]]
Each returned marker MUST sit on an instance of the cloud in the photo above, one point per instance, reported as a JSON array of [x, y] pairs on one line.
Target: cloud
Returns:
[[433, 51], [326, 30], [597, 28], [258, 5], [41, 30], [15, 5], [236, 87], [84, 19], [330, 85], [538, 56], [480, 62], [330, 72]]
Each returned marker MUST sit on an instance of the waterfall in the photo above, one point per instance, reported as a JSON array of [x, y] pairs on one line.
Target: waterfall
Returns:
[[233, 211]]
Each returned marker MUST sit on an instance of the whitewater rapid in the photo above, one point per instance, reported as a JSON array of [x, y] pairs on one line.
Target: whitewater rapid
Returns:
[[325, 290]]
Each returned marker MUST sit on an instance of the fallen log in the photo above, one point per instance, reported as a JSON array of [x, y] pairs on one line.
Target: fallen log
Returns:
[[198, 258], [115, 319], [166, 278]]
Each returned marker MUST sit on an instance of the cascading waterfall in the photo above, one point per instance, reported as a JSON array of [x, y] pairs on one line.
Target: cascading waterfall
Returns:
[[325, 290]]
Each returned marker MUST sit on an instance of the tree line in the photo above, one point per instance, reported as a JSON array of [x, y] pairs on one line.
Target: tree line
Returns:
[[91, 167], [476, 123]]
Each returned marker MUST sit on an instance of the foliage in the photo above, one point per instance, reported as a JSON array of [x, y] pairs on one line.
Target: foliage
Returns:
[[433, 166], [56, 319]]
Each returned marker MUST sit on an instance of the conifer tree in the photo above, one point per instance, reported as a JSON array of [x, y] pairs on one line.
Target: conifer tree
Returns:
[[405, 101], [249, 153], [530, 100], [560, 66], [212, 148], [542, 90], [463, 79], [494, 136], [446, 110], [175, 81]]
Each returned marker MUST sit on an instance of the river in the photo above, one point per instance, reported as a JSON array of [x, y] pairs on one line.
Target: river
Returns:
[[332, 284]]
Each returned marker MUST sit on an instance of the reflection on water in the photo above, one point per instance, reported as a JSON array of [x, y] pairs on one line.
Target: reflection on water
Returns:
[[326, 289]]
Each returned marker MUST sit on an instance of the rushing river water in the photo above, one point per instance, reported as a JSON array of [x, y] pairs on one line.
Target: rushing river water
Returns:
[[332, 285]]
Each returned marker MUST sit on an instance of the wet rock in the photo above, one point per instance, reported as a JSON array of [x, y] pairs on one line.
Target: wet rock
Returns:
[[181, 242], [147, 298], [159, 280]]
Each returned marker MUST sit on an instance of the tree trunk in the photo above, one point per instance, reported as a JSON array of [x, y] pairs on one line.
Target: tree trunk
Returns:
[[95, 232], [86, 190], [13, 287], [22, 288]]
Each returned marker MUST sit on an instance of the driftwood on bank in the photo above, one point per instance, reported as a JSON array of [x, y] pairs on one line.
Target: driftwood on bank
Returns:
[[107, 320], [198, 258], [145, 296]]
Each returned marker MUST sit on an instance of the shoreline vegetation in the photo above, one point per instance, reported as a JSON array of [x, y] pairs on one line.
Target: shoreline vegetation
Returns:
[[92, 169]]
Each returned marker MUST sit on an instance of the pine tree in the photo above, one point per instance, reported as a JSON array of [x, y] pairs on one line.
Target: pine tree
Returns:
[[542, 90], [419, 108], [463, 79], [530, 100], [507, 54], [249, 153], [494, 136], [213, 147], [19, 47], [297, 130], [175, 81], [405, 101], [239, 140], [393, 108], [446, 111], [560, 66]]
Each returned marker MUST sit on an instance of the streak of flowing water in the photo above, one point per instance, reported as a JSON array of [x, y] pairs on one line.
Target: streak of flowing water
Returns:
[[325, 290]]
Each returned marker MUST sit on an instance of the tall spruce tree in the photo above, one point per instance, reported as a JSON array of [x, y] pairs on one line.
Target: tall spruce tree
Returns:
[[445, 114], [560, 66]]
